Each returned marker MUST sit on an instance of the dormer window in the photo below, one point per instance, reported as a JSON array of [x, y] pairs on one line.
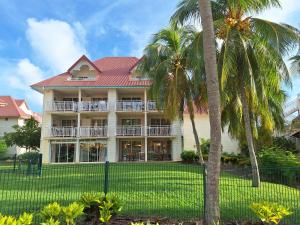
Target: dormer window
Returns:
[[83, 69]]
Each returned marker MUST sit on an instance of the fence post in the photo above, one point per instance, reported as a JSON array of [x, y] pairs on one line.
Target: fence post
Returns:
[[106, 167], [40, 160], [15, 162], [204, 192]]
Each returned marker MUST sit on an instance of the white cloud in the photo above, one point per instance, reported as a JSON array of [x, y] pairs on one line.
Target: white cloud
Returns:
[[56, 43], [25, 75]]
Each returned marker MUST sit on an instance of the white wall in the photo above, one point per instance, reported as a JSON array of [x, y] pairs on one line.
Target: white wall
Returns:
[[202, 125]]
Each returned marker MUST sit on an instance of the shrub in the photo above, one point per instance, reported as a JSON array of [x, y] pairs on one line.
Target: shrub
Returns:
[[270, 213], [3, 146], [282, 166], [30, 156], [51, 212], [205, 145], [94, 202], [284, 143], [189, 156], [24, 219], [72, 212]]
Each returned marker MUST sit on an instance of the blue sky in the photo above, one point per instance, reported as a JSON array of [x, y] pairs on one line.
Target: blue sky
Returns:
[[39, 39]]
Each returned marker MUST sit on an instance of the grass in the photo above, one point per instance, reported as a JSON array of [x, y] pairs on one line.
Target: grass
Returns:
[[153, 189]]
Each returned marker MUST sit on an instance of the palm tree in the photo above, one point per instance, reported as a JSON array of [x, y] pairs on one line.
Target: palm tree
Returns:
[[165, 61], [212, 213], [251, 52]]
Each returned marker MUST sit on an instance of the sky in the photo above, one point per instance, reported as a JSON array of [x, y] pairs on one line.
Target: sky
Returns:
[[40, 39]]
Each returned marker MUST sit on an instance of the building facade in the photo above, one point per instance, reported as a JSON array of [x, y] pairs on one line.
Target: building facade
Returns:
[[14, 112], [100, 110]]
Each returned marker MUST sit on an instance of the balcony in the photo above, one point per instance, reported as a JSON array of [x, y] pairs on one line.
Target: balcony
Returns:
[[156, 131], [93, 131], [63, 132], [151, 106], [62, 106], [130, 106], [100, 106], [130, 130]]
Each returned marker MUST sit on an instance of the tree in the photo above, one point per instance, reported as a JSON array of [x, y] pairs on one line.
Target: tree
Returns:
[[3, 147], [250, 62], [166, 62], [212, 213], [27, 136]]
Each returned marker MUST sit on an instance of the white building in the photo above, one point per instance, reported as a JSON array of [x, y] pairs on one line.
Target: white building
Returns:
[[101, 109], [14, 112]]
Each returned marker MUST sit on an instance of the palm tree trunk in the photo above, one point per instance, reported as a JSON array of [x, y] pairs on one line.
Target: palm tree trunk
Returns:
[[249, 137], [196, 137], [212, 210]]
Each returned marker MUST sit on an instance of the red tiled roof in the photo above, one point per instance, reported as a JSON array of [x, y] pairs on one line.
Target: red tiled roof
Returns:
[[11, 108], [112, 72]]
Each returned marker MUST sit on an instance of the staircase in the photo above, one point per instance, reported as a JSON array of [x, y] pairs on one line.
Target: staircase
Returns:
[[292, 113]]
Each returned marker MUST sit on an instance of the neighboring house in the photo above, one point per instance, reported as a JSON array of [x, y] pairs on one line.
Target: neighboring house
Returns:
[[100, 110], [14, 112]]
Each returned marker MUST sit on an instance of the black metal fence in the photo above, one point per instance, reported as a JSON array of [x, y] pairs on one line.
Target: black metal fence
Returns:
[[172, 190]]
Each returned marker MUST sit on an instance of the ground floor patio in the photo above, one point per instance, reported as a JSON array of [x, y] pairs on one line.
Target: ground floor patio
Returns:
[[126, 149]]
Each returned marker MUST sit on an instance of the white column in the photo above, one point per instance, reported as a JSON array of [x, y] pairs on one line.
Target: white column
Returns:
[[112, 125], [45, 147], [177, 141], [77, 154], [146, 126]]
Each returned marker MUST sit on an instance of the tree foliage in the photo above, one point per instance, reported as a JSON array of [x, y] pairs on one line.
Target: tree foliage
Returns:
[[3, 146], [27, 136]]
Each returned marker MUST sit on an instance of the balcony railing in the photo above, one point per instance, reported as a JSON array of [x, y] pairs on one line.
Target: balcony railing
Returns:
[[93, 131], [99, 106], [130, 130], [151, 106], [155, 131], [130, 106], [62, 106], [63, 132]]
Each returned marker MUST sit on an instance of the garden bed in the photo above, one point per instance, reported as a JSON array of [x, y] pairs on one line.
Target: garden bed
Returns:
[[123, 220]]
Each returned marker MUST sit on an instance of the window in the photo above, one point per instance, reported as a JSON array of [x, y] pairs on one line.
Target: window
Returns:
[[70, 99], [131, 122], [99, 122], [69, 123], [159, 122], [93, 151], [132, 150], [63, 152], [160, 150], [131, 99], [99, 99]]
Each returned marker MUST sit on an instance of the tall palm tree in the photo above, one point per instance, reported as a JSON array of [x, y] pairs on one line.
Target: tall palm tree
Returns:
[[212, 213], [165, 61], [251, 52]]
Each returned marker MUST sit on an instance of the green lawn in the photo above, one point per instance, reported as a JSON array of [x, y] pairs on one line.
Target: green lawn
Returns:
[[152, 189]]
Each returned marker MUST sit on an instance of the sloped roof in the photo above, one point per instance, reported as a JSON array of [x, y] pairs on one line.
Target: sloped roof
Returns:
[[112, 72], [11, 108]]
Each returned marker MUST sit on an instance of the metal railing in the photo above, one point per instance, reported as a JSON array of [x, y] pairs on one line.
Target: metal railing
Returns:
[[130, 106], [93, 106], [63, 131], [166, 130], [62, 106], [93, 131], [130, 130]]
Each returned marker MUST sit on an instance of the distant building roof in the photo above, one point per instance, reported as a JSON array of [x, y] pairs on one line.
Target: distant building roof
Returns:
[[10, 107]]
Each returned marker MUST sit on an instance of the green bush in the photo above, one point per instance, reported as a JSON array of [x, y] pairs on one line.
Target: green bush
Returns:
[[284, 144], [30, 156], [3, 146], [189, 156], [279, 165], [205, 145], [24, 219]]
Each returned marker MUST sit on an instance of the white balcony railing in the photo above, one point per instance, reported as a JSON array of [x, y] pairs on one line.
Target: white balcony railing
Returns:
[[62, 106], [93, 131], [63, 132], [166, 130], [99, 106], [130, 130], [151, 106], [130, 106]]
